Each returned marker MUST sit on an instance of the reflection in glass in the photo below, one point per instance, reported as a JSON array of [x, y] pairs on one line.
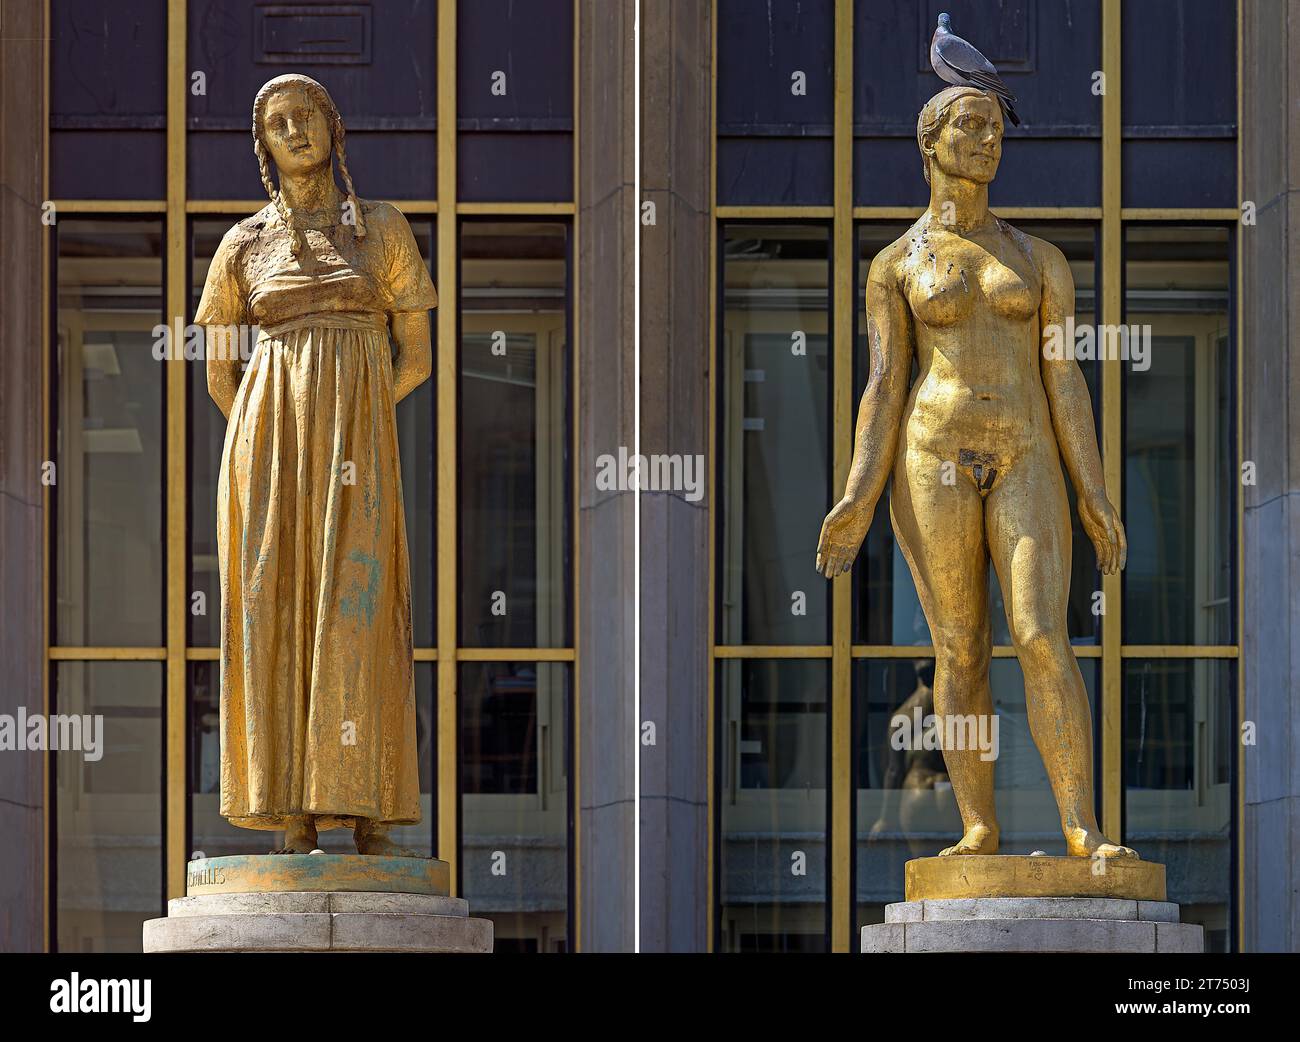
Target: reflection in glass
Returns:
[[514, 788], [772, 793], [905, 805], [886, 608], [215, 836], [774, 444], [415, 427], [516, 502], [108, 488], [108, 844], [1179, 486], [1179, 736]]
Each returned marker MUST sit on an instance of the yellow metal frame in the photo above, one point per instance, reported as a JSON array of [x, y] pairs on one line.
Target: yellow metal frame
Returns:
[[175, 654], [1111, 652]]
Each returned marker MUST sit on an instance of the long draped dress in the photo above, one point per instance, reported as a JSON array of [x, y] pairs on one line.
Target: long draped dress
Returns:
[[317, 682]]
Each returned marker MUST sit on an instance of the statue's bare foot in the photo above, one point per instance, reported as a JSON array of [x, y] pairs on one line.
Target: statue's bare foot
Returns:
[[1082, 842], [979, 839], [374, 839], [299, 837]]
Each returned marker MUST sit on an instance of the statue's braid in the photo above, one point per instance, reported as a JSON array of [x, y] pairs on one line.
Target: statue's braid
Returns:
[[338, 133]]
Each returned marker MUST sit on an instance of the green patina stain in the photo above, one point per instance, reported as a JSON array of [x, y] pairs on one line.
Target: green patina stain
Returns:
[[361, 602]]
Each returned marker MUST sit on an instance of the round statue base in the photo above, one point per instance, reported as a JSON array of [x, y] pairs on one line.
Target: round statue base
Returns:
[[317, 903], [1032, 924]]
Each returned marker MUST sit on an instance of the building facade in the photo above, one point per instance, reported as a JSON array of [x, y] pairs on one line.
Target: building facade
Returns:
[[777, 156]]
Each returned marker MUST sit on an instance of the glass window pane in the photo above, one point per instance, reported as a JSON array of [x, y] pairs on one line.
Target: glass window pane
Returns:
[[886, 608], [905, 804], [108, 490], [514, 790], [1179, 442], [207, 435], [1179, 741], [415, 426], [516, 503], [772, 791], [216, 837], [774, 445], [417, 434], [109, 811]]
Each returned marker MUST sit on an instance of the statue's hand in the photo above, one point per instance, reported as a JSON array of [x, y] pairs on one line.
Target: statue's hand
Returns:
[[842, 533], [1104, 528]]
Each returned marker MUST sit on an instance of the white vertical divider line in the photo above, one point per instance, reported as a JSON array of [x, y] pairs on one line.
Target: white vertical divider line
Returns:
[[636, 513]]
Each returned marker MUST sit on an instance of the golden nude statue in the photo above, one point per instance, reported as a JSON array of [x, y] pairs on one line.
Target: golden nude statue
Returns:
[[975, 451], [318, 723]]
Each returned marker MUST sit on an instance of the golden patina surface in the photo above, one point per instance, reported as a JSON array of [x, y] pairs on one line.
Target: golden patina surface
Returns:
[[974, 447], [316, 873], [318, 725], [1017, 875]]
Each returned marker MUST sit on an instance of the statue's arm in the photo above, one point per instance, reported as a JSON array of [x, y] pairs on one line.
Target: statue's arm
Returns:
[[880, 412], [223, 366], [221, 312], [1076, 435], [412, 295], [414, 360]]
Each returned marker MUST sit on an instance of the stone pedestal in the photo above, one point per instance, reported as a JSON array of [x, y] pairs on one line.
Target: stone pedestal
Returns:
[[1035, 903], [1032, 924], [317, 903]]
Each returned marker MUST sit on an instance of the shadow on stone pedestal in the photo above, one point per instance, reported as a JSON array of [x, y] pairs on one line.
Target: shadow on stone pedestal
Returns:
[[1005, 903], [317, 903]]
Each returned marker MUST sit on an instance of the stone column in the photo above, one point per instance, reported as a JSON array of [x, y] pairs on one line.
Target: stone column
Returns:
[[676, 123], [22, 636], [605, 417], [1270, 258]]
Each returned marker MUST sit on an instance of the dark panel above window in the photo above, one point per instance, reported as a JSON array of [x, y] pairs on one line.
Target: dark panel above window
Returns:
[[108, 68], [376, 59], [1180, 173], [521, 168], [1046, 53], [773, 171], [82, 165], [514, 65], [1179, 69], [776, 67], [108, 64]]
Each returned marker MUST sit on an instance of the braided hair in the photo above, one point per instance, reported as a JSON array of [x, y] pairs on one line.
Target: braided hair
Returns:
[[323, 102]]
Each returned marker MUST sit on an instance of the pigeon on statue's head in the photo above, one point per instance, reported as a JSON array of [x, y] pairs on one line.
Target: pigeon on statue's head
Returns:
[[960, 64]]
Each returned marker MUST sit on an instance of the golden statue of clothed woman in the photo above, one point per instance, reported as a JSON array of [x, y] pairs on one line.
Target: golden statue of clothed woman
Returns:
[[975, 449], [318, 723]]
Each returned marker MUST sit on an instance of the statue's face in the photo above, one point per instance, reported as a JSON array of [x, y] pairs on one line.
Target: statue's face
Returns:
[[969, 144], [296, 132]]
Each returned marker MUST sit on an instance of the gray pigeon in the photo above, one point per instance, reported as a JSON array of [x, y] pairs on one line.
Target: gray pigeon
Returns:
[[960, 64]]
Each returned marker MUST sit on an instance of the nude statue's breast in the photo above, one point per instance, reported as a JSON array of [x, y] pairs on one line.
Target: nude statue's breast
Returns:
[[946, 292], [1011, 294]]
